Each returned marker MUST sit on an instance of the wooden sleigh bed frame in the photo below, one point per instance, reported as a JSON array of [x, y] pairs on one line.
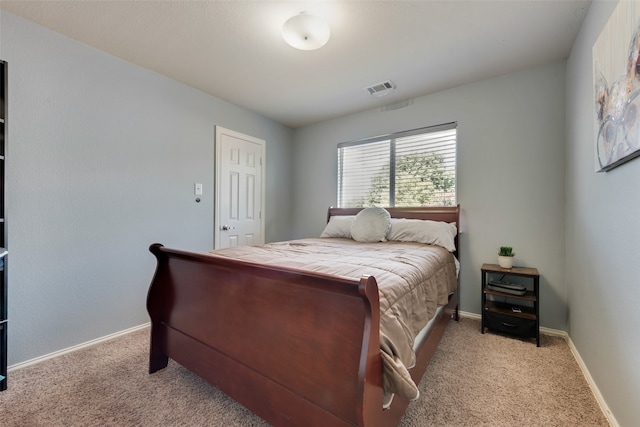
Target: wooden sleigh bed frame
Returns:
[[297, 348]]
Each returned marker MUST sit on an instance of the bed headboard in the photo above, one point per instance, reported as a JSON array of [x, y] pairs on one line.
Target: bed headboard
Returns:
[[439, 213]]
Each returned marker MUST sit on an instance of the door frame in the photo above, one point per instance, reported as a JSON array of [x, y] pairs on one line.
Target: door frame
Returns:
[[219, 131]]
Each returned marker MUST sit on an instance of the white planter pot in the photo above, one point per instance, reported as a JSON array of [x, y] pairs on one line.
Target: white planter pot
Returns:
[[505, 261]]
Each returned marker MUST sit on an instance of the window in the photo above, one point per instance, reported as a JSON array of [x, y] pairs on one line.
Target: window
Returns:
[[413, 168]]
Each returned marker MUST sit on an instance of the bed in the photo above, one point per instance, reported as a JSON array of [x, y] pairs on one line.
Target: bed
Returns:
[[292, 343]]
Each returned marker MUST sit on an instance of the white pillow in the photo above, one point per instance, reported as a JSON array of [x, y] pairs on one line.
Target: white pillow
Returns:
[[371, 225], [423, 231], [339, 226]]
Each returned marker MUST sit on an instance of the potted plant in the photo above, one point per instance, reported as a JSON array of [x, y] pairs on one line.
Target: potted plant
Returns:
[[505, 256]]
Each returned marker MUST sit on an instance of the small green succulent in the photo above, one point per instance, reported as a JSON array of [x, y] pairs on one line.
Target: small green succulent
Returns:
[[506, 251]]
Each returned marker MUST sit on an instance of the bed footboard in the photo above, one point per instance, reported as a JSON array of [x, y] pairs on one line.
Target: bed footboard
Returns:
[[294, 347]]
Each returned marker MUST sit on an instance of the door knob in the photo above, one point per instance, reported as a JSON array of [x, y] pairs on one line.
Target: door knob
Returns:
[[226, 227]]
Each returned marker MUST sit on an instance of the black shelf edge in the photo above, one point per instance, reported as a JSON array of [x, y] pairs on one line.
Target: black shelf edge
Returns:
[[528, 296]]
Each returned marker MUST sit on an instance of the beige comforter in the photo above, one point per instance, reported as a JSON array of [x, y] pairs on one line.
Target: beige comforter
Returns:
[[413, 280]]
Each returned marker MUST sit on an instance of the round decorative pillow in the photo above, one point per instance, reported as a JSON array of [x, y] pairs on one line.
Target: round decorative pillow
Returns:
[[371, 225]]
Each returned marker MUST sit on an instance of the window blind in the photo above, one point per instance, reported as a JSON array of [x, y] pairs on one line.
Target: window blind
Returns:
[[413, 168]]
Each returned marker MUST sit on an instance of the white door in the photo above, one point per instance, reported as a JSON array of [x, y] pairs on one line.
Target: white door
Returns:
[[239, 218]]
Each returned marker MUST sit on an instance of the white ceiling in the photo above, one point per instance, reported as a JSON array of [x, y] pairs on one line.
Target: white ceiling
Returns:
[[234, 49]]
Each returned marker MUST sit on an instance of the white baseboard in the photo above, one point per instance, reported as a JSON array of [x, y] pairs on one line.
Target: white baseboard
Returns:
[[594, 388], [469, 315], [76, 347]]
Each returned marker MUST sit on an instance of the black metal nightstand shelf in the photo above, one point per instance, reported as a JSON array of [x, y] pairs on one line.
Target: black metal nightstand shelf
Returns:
[[511, 312]]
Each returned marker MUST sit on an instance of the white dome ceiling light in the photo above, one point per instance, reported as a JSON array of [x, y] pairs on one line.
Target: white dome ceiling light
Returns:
[[306, 32]]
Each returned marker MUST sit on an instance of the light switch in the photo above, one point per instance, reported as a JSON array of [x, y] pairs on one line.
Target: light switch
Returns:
[[198, 189]]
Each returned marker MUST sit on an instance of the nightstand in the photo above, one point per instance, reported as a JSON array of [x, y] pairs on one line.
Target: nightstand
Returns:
[[511, 307]]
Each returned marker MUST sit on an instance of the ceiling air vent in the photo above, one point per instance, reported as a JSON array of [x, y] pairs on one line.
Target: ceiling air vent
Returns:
[[381, 89]]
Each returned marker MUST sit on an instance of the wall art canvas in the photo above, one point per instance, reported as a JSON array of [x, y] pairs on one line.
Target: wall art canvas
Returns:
[[616, 78]]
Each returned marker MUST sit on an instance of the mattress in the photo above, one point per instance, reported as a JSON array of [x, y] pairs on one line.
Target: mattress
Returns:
[[413, 279]]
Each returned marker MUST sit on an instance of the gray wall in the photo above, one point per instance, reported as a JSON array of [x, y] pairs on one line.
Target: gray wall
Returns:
[[102, 157], [510, 173], [602, 242]]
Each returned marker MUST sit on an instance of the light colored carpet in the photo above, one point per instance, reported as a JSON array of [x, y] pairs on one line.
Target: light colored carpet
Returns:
[[473, 380]]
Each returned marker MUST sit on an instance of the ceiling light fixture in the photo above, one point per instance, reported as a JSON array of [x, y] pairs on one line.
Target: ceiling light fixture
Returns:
[[306, 32]]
